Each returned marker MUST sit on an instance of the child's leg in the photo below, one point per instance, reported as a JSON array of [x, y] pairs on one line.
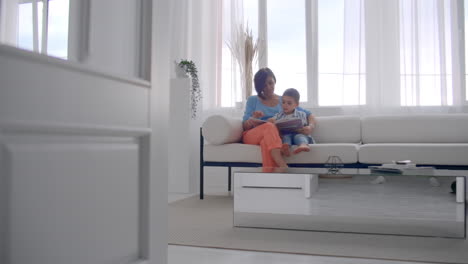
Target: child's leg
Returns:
[[303, 143], [287, 141]]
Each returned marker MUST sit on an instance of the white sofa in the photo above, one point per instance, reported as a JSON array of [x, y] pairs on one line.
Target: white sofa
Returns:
[[438, 140]]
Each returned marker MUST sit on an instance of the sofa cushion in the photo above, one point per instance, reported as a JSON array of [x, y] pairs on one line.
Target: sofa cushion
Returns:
[[235, 152], [337, 129], [435, 154], [441, 128], [318, 154], [218, 129]]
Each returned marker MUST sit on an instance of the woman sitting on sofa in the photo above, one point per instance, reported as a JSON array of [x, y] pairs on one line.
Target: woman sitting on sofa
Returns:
[[263, 106]]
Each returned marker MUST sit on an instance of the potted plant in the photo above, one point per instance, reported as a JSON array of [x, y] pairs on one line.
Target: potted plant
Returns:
[[195, 93]]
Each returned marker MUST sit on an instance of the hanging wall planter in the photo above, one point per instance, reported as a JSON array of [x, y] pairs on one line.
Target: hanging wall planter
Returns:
[[195, 93]]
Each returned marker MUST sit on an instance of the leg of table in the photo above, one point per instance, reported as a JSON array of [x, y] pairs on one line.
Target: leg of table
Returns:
[[229, 179], [310, 185], [460, 189]]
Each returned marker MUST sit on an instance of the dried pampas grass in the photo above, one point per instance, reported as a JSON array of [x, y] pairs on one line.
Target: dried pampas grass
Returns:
[[245, 50]]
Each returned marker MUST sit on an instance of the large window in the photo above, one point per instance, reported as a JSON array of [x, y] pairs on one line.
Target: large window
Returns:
[[425, 53], [235, 12], [48, 36], [287, 45], [338, 42], [341, 53], [360, 53]]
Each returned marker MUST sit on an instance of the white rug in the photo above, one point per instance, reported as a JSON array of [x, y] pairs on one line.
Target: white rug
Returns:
[[208, 223]]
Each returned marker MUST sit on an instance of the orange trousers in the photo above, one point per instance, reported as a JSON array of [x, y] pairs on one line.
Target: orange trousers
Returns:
[[267, 136]]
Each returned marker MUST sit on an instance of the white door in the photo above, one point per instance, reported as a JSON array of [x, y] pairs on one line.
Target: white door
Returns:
[[75, 165]]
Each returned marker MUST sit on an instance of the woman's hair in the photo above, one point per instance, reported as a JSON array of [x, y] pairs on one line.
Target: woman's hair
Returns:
[[291, 92], [260, 80]]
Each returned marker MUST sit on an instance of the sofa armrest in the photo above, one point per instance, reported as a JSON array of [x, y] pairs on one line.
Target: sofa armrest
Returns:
[[218, 130]]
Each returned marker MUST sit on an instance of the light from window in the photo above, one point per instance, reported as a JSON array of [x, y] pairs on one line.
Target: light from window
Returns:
[[25, 26], [425, 54], [341, 53], [57, 42], [287, 45], [57, 35], [230, 92]]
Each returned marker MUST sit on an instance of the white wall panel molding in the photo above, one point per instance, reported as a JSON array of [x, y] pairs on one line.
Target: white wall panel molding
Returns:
[[32, 57], [34, 127], [52, 94], [73, 201]]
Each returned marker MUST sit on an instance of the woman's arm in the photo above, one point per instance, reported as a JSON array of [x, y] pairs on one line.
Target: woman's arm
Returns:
[[249, 112], [308, 113], [249, 108], [248, 124]]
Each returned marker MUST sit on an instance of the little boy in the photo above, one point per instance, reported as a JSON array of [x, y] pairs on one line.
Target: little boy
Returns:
[[290, 101]]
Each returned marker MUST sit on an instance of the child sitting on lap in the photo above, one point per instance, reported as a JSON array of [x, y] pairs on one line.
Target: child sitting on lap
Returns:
[[290, 101]]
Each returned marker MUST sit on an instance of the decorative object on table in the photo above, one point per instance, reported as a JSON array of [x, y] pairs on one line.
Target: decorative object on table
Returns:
[[195, 93], [405, 167], [245, 50], [334, 164]]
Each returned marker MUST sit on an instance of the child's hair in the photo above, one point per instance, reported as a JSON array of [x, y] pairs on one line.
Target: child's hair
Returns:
[[292, 93]]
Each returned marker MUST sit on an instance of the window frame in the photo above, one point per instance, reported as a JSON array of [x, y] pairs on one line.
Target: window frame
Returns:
[[311, 36], [462, 52], [310, 8]]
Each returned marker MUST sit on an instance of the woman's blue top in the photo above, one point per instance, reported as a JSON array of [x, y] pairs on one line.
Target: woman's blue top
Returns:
[[254, 104]]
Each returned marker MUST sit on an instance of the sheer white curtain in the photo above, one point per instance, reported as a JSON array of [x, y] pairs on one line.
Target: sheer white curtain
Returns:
[[341, 53], [410, 62], [195, 35], [426, 53], [230, 94], [381, 57], [369, 56]]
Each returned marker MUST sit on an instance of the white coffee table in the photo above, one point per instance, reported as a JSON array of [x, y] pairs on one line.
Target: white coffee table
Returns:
[[300, 200]]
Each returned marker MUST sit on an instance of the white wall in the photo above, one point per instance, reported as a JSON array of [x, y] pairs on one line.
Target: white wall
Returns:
[[160, 123]]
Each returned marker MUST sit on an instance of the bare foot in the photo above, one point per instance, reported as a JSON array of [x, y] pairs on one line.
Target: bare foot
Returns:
[[285, 150], [302, 147]]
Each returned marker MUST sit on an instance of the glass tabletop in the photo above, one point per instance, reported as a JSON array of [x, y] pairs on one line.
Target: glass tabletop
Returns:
[[423, 203]]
